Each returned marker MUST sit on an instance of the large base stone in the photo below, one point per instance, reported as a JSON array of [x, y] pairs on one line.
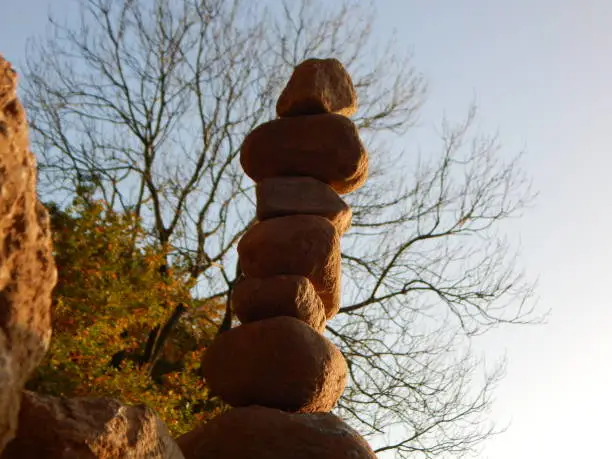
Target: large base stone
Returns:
[[263, 433]]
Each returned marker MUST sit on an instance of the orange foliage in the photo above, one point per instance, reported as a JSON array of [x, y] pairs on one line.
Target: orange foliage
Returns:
[[110, 294]]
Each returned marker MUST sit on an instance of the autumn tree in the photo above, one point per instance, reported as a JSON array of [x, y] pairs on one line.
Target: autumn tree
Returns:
[[120, 328], [147, 102]]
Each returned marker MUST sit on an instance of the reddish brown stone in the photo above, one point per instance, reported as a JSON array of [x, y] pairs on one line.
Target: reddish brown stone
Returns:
[[281, 196], [326, 147], [82, 428], [27, 269], [279, 363], [294, 296], [256, 432], [303, 245], [318, 86]]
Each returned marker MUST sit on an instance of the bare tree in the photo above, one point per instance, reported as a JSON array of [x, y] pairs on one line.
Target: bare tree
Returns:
[[147, 102]]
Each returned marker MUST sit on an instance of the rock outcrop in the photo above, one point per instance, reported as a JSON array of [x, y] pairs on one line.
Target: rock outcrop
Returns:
[[82, 428], [276, 369], [27, 269], [264, 433]]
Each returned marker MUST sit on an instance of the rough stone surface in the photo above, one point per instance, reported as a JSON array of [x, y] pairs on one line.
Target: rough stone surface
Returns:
[[27, 269], [294, 296], [326, 147], [279, 363], [102, 428], [282, 196], [303, 245], [256, 432], [318, 86]]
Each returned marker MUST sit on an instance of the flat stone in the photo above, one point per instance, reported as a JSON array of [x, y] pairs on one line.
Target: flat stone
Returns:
[[318, 86], [88, 428], [293, 296], [302, 245], [325, 147], [282, 196], [279, 363], [256, 432], [27, 269]]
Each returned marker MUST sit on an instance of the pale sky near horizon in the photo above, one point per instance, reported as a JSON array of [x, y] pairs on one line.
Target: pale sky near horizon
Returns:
[[541, 72]]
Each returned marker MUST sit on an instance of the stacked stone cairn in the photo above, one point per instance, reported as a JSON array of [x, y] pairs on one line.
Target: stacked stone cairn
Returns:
[[279, 373]]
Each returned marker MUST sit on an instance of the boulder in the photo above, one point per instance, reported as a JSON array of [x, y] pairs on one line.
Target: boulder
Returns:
[[293, 296], [96, 428], [282, 196], [318, 86], [27, 269], [303, 245], [326, 147], [256, 432], [279, 363]]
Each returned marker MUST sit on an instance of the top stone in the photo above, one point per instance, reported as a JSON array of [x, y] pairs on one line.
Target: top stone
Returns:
[[318, 86]]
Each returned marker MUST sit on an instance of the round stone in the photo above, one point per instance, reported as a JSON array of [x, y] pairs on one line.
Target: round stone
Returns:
[[278, 363]]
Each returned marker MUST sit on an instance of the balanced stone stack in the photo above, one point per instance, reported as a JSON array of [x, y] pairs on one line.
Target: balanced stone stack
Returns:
[[277, 370]]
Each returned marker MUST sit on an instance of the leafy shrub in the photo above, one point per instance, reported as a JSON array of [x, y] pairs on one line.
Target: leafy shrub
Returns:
[[111, 303]]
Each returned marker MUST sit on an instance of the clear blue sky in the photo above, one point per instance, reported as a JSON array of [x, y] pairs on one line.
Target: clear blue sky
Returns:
[[541, 72]]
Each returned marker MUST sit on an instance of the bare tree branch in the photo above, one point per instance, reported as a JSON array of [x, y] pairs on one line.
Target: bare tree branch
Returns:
[[146, 102]]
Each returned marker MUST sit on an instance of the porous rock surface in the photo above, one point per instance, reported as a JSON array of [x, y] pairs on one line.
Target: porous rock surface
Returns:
[[279, 363], [255, 298], [27, 269], [304, 245], [326, 147], [318, 86], [256, 432], [81, 428], [282, 196]]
